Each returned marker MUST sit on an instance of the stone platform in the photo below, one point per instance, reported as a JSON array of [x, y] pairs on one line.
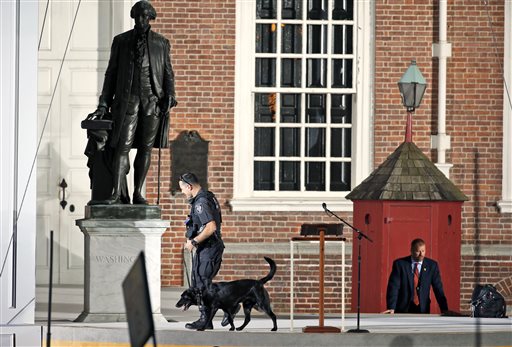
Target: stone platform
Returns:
[[385, 330]]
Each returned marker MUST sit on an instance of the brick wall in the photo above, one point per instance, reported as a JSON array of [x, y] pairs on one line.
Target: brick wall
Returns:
[[202, 39], [405, 31], [202, 35]]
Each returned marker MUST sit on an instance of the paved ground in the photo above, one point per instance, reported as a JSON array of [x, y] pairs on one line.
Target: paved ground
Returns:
[[385, 330]]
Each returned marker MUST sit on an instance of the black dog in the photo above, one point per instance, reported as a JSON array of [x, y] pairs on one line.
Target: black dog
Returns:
[[227, 296]]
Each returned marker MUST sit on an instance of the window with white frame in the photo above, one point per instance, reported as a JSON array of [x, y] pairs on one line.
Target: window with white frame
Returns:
[[296, 112]]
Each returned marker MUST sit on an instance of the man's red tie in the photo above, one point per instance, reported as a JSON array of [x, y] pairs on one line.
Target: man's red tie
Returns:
[[416, 299]]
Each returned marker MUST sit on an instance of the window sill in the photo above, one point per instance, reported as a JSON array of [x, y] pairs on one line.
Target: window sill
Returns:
[[505, 206], [291, 204]]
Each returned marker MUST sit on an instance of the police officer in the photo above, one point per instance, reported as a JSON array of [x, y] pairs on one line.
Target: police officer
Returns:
[[204, 237]]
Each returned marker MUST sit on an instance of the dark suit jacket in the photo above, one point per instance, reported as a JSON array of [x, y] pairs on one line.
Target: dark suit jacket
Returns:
[[118, 77], [400, 286]]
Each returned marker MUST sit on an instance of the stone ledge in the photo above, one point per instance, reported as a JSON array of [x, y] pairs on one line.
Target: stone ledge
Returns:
[[123, 212]]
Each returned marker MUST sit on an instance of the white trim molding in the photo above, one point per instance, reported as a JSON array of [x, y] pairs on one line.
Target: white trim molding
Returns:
[[505, 204], [289, 204], [18, 138]]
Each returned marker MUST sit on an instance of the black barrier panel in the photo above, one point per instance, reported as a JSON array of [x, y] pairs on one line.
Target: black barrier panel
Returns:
[[137, 304]]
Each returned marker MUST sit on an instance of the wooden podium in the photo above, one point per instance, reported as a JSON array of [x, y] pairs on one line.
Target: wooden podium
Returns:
[[319, 233]]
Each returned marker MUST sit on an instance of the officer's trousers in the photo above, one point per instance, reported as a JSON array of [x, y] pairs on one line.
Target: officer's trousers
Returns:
[[206, 264]]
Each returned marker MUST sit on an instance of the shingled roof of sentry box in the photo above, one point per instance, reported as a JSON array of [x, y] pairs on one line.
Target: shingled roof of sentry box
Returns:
[[407, 174]]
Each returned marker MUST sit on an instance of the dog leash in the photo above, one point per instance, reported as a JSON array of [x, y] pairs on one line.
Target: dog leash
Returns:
[[186, 268]]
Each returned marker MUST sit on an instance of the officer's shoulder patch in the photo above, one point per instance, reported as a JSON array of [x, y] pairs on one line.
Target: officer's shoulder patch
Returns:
[[199, 208]]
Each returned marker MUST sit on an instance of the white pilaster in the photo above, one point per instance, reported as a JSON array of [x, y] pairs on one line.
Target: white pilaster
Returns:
[[18, 124]]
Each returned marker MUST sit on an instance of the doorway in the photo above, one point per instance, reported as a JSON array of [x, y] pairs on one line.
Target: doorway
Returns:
[[67, 91]]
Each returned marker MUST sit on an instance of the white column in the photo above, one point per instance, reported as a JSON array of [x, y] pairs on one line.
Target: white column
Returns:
[[18, 125]]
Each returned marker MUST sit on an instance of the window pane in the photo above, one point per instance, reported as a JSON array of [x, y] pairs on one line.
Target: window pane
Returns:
[[317, 38], [290, 142], [290, 108], [315, 142], [290, 72], [292, 9], [342, 73], [317, 9], [264, 142], [341, 108], [340, 177], [289, 175], [292, 38], [265, 72], [303, 133], [264, 107], [264, 175], [317, 73], [342, 39], [341, 140], [266, 9], [315, 108], [343, 10], [265, 38], [315, 176]]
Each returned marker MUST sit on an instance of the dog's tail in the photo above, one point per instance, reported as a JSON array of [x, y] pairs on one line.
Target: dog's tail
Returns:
[[272, 271]]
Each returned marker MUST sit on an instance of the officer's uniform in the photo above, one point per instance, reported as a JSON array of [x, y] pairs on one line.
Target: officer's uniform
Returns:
[[208, 258]]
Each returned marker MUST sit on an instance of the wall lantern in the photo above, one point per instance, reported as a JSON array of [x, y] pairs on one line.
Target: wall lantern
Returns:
[[412, 86]]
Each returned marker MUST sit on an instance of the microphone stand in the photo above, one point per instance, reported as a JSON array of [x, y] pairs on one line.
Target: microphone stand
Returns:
[[360, 235]]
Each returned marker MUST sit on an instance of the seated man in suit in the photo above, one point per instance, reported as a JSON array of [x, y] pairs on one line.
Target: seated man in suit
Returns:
[[410, 281]]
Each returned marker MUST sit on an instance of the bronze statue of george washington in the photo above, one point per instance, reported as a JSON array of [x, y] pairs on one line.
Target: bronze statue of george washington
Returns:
[[138, 93]]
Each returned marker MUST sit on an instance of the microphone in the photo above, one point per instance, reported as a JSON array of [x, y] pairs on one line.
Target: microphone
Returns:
[[324, 206]]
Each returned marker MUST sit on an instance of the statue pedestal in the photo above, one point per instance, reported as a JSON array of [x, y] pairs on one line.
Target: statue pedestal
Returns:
[[114, 237]]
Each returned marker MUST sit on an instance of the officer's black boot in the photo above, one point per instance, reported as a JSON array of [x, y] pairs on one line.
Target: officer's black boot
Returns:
[[201, 323], [225, 320], [141, 167]]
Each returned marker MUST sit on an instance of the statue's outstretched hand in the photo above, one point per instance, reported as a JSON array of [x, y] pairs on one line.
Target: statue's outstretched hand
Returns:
[[98, 114]]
